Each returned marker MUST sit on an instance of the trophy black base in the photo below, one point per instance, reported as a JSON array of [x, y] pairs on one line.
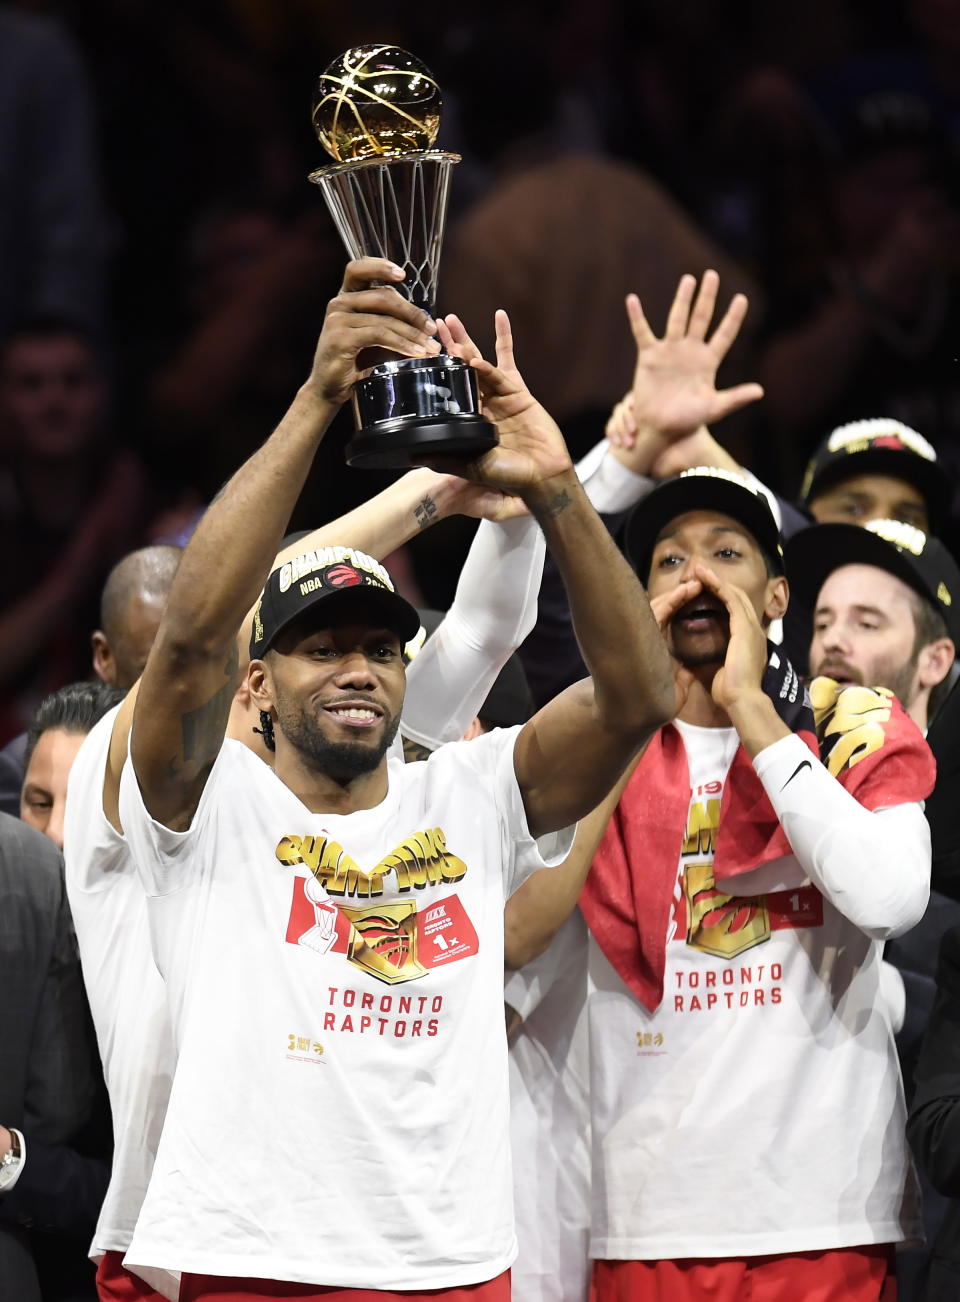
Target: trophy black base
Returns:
[[418, 408], [406, 442]]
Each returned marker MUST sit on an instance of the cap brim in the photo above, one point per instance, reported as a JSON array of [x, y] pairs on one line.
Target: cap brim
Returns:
[[676, 497], [392, 611], [813, 554], [928, 477]]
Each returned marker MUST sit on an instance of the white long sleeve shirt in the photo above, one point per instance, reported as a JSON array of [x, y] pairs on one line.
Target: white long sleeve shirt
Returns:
[[759, 1108]]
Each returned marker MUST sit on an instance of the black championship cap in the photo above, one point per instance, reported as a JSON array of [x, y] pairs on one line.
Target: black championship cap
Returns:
[[880, 447], [920, 561], [334, 575], [702, 488]]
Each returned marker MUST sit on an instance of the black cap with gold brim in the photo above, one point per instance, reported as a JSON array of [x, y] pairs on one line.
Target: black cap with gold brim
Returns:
[[334, 575], [879, 446], [918, 559], [702, 488]]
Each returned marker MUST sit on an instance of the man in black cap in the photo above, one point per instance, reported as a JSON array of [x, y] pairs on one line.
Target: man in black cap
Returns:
[[331, 932], [864, 470], [764, 846], [886, 610], [876, 469]]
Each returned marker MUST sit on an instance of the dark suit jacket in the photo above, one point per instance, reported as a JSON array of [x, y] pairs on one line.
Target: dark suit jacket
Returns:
[[934, 1124], [47, 1062]]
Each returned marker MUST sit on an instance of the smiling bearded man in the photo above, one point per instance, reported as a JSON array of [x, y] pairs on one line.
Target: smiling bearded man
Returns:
[[331, 931], [344, 733]]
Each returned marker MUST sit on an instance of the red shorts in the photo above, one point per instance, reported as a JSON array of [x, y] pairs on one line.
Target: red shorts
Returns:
[[840, 1275], [217, 1288], [116, 1284]]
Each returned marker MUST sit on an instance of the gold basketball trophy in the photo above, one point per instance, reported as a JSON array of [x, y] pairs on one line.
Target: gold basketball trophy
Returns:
[[377, 113]]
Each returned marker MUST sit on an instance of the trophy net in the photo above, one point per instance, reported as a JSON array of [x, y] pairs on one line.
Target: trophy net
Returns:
[[393, 208]]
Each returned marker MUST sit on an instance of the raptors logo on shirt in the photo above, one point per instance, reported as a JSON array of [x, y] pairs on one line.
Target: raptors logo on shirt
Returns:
[[393, 941], [718, 922]]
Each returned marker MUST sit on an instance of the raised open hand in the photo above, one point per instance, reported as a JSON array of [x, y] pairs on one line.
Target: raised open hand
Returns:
[[674, 389], [531, 447]]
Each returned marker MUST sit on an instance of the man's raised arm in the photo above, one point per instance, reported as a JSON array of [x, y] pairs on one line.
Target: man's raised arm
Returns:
[[572, 752], [189, 681]]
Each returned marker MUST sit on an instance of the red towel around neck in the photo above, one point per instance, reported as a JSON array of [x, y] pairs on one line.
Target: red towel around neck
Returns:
[[861, 734]]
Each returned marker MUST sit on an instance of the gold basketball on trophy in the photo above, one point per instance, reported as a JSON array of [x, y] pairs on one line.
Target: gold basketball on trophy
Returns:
[[376, 101]]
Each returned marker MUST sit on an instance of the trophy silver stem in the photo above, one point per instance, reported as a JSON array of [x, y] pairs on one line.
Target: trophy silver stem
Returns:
[[393, 208], [413, 408], [377, 112]]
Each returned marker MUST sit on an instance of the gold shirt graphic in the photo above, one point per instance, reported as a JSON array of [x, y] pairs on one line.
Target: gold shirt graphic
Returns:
[[383, 938], [717, 923], [421, 860]]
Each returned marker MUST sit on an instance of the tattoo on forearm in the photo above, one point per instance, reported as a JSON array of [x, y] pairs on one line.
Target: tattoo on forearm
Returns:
[[555, 506], [425, 511], [202, 729]]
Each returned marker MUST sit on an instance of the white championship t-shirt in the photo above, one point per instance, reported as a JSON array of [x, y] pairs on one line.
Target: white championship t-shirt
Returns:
[[550, 1120], [759, 1109], [339, 1113], [125, 992]]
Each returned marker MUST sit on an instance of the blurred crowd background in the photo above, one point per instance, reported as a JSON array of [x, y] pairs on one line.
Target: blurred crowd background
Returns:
[[165, 264]]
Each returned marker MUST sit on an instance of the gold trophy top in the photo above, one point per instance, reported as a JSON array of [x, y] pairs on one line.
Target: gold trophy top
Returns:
[[376, 102]]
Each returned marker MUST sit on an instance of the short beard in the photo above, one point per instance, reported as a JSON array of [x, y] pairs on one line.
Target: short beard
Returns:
[[702, 659], [343, 761], [709, 656], [899, 681]]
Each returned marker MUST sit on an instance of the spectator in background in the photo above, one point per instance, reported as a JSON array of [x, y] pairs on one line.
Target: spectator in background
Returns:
[[872, 325], [56, 734], [130, 608], [71, 501], [560, 226], [254, 285], [52, 229]]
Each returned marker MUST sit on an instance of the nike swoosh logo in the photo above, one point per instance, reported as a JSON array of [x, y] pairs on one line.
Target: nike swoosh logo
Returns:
[[804, 764]]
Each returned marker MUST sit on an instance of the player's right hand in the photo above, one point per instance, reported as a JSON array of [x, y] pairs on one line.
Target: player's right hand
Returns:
[[367, 313]]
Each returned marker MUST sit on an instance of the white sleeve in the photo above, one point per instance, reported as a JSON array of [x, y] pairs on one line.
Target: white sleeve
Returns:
[[611, 487], [167, 861], [494, 609], [873, 866], [608, 484]]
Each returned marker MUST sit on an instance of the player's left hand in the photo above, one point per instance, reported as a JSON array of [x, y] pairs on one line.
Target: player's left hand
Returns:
[[531, 447], [742, 671], [664, 607]]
